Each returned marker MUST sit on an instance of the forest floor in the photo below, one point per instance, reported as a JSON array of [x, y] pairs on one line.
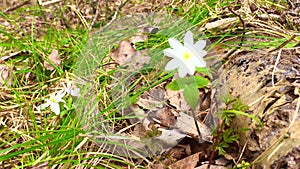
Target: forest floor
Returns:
[[248, 114]]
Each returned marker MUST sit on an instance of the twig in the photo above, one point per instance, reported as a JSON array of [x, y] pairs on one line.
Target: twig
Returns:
[[275, 66], [216, 141], [242, 152], [49, 2], [114, 16], [198, 129], [96, 16], [283, 44], [243, 23], [4, 58], [112, 19], [17, 6]]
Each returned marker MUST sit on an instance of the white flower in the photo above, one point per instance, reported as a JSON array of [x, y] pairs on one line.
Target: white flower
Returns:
[[70, 89], [53, 102], [186, 58]]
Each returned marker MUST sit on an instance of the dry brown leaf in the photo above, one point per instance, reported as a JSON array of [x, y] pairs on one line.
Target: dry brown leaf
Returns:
[[189, 162], [186, 125], [204, 166], [152, 99], [6, 76], [124, 53], [164, 116], [174, 154], [176, 99], [139, 38], [54, 58], [170, 137], [127, 56], [223, 23]]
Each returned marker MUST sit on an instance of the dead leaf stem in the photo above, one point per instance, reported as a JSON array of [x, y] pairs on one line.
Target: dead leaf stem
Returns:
[[243, 23]]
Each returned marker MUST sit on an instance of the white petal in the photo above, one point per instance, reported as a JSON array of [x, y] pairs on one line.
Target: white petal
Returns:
[[200, 44], [68, 90], [203, 63], [198, 62], [185, 69], [60, 94], [175, 44], [62, 100], [182, 71], [188, 39], [190, 69], [42, 106], [64, 86], [55, 108], [75, 92], [172, 64], [200, 53], [197, 48], [170, 52]]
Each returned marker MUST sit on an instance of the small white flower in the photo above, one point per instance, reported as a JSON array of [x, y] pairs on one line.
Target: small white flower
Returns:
[[53, 102], [186, 58], [70, 89]]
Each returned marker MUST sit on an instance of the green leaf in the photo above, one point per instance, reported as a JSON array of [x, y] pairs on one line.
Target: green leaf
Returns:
[[173, 86], [238, 105], [191, 96], [181, 83], [244, 114], [204, 70], [178, 84], [229, 136], [227, 99], [201, 81]]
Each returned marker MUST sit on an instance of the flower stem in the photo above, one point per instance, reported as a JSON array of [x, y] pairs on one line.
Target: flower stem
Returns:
[[198, 129]]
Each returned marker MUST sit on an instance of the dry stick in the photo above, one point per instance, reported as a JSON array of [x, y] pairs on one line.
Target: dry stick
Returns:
[[114, 15], [243, 23], [230, 52], [95, 17], [3, 58], [283, 44], [49, 2], [216, 140], [17, 6], [296, 112], [198, 129], [275, 66], [242, 152]]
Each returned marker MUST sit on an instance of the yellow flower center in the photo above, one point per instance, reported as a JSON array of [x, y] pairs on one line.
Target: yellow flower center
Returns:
[[54, 100], [186, 55]]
